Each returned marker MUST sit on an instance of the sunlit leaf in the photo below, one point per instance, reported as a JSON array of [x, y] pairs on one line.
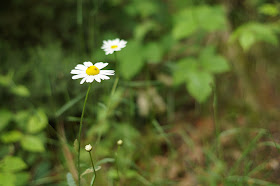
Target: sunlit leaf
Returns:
[[11, 136], [32, 144], [269, 9], [12, 164], [183, 68], [185, 24], [199, 85], [37, 122], [211, 62], [205, 18], [153, 52], [130, 59], [20, 90], [250, 33], [5, 118], [23, 177], [7, 179]]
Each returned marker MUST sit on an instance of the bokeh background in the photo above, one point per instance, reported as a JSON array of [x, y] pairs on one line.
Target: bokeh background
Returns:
[[197, 102]]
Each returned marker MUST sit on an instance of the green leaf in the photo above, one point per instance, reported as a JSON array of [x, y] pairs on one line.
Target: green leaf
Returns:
[[250, 33], [12, 164], [5, 118], [153, 52], [211, 62], [193, 19], [20, 90], [69, 105], [247, 39], [32, 144], [11, 136], [130, 60], [70, 179], [269, 9], [199, 85], [7, 179], [37, 122], [183, 68], [211, 18], [23, 177], [185, 24], [6, 80]]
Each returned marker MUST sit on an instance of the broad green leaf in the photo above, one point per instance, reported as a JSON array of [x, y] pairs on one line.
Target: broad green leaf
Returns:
[[193, 19], [130, 59], [5, 80], [269, 9], [20, 90], [211, 62], [185, 24], [211, 18], [199, 85], [23, 177], [5, 118], [21, 118], [153, 52], [70, 179], [105, 160], [69, 105], [183, 68], [37, 122], [11, 136], [250, 33], [12, 164], [32, 144], [7, 179], [247, 39]]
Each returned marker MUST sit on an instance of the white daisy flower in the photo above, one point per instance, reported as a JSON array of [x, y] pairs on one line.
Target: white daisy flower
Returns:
[[90, 72], [111, 46]]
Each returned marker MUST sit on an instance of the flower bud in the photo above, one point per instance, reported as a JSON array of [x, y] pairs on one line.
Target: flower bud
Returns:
[[88, 147], [120, 142]]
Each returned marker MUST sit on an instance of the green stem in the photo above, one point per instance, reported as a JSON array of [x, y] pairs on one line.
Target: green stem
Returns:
[[117, 65], [117, 165], [79, 137], [117, 75], [115, 82], [92, 168]]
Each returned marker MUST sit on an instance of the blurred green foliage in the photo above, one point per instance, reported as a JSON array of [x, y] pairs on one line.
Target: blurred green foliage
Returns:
[[177, 52]]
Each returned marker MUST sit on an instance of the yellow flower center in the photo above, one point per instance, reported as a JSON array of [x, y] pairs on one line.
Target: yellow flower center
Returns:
[[114, 46], [92, 70]]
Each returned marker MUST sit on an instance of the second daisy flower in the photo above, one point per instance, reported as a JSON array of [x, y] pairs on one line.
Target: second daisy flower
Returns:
[[90, 72]]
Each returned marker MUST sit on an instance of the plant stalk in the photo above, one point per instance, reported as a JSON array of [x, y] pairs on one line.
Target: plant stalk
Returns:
[[92, 168], [79, 137]]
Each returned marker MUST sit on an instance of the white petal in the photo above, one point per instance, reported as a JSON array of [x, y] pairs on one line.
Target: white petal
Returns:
[[88, 64], [100, 65], [77, 71], [97, 78], [123, 42], [78, 76], [107, 72], [83, 80], [81, 67], [109, 52], [90, 79], [103, 77], [117, 40]]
